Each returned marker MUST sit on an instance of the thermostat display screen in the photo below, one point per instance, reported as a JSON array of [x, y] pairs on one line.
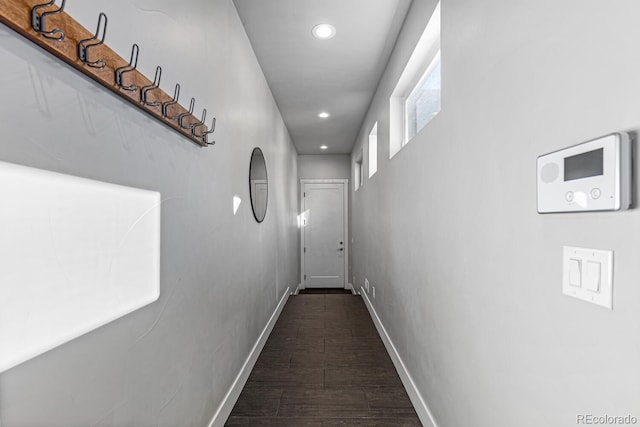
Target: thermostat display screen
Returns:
[[584, 165]]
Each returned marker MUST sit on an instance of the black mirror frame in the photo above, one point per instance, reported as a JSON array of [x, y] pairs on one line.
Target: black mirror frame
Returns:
[[253, 207]]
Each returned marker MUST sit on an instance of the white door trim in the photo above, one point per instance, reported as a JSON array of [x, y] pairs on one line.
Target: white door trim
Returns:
[[345, 193]]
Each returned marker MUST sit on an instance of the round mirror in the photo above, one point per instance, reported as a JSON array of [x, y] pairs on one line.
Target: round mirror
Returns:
[[258, 184]]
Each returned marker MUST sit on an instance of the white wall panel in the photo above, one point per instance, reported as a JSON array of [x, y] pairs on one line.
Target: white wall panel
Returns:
[[76, 254]]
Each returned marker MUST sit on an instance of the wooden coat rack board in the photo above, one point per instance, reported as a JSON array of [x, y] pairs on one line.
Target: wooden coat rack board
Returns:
[[17, 15]]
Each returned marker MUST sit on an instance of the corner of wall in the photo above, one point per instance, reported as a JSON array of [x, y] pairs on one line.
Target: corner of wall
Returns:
[[230, 399], [426, 418]]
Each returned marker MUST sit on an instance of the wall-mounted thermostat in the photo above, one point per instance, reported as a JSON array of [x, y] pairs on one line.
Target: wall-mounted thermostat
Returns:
[[592, 176]]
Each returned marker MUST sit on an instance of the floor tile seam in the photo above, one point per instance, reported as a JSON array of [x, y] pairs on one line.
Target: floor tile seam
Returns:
[[279, 402], [304, 417], [340, 417], [324, 378], [367, 387]]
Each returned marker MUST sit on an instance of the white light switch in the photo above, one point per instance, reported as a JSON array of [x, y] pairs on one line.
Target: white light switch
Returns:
[[575, 272], [592, 276], [587, 274]]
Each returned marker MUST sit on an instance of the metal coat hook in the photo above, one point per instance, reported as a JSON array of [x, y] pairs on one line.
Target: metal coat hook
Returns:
[[38, 22], [121, 71], [200, 123], [182, 116], [203, 135], [85, 45], [145, 90], [174, 101]]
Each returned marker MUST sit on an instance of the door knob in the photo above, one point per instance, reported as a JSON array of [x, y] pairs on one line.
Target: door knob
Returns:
[[341, 249]]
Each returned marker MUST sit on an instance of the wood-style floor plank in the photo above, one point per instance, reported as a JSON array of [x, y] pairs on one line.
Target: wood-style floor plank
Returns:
[[360, 377], [283, 377], [389, 401], [319, 422], [258, 402], [324, 404], [324, 364]]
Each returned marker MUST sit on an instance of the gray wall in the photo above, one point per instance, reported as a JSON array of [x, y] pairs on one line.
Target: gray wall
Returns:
[[172, 362], [323, 166], [467, 274]]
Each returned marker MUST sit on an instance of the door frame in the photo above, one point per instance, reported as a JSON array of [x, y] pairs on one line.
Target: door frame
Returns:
[[302, 220]]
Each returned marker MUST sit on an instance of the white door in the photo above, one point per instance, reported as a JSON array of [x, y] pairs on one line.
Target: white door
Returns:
[[324, 234]]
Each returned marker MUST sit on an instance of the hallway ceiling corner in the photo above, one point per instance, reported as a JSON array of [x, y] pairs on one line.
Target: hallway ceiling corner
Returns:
[[308, 76]]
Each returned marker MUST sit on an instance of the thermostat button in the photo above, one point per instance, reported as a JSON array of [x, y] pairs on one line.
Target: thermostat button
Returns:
[[569, 196], [595, 193]]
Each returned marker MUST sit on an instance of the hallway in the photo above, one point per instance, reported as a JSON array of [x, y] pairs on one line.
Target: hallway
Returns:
[[324, 364]]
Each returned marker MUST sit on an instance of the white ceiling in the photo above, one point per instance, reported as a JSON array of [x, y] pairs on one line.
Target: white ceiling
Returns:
[[307, 75]]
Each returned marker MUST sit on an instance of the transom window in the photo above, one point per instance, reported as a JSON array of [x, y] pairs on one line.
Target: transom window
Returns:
[[358, 172], [423, 103], [416, 99], [373, 150]]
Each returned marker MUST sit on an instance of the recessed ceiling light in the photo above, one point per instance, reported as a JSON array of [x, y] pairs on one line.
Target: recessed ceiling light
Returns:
[[323, 31], [324, 115], [323, 147]]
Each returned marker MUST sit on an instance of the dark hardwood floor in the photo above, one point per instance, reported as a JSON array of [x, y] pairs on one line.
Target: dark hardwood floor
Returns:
[[324, 365], [324, 291]]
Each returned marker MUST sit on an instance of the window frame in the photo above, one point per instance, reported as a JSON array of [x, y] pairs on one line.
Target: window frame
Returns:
[[373, 153], [358, 171], [421, 61], [435, 60]]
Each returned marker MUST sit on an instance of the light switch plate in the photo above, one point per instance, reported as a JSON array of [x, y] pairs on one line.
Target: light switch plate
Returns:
[[596, 290]]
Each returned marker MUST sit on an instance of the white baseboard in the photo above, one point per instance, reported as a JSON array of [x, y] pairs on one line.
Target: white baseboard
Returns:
[[297, 291], [416, 398], [353, 289], [224, 410]]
